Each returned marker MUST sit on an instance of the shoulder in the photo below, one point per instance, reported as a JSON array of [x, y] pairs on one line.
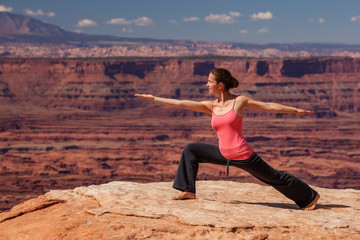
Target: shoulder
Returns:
[[241, 103], [207, 103], [240, 100]]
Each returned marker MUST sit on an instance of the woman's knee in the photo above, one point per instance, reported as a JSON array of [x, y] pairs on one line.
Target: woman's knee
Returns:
[[195, 151], [191, 147]]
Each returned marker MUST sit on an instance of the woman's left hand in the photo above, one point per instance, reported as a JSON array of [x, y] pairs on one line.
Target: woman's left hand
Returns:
[[146, 96], [302, 111]]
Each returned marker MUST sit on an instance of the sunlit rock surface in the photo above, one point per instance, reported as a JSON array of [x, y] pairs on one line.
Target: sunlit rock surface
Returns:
[[222, 210]]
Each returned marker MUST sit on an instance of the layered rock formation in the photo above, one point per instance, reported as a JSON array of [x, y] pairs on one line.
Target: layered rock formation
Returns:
[[222, 210], [110, 84], [72, 122]]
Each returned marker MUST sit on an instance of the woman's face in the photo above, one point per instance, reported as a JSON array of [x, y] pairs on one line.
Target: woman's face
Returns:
[[212, 85]]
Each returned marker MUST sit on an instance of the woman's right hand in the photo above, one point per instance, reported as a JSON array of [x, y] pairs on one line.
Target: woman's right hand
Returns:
[[146, 96], [204, 106]]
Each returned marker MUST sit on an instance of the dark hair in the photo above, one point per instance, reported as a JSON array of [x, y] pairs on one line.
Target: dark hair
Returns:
[[223, 75]]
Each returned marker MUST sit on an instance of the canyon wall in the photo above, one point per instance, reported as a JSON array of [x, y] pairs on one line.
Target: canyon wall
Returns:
[[330, 85]]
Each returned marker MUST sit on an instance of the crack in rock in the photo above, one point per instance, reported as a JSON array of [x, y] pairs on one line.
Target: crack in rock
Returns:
[[29, 206]]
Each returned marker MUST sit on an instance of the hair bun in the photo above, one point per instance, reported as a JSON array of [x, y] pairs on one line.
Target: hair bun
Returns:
[[223, 75], [234, 83]]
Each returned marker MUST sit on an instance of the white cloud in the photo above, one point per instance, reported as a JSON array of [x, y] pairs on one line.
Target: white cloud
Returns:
[[30, 12], [262, 16], [50, 14], [129, 30], [263, 30], [38, 12], [4, 8], [119, 21], [220, 18], [86, 23], [173, 22], [141, 21], [235, 14], [244, 31], [320, 20], [191, 19], [355, 19]]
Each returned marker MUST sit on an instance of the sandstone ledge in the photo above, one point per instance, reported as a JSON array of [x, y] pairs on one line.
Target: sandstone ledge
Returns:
[[222, 210]]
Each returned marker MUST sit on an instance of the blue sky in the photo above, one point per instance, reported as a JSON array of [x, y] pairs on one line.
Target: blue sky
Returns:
[[251, 21]]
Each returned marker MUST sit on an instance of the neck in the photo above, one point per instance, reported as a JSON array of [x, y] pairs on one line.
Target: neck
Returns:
[[224, 96]]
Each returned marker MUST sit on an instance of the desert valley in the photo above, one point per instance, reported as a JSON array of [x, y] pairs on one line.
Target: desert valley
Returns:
[[75, 122]]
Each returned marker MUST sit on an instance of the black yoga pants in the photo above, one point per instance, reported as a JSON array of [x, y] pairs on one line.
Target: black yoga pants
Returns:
[[195, 153]]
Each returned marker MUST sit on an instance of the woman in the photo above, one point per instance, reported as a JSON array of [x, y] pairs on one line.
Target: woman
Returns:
[[227, 111]]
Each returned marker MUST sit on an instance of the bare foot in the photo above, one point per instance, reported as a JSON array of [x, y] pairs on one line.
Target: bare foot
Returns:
[[312, 205], [184, 195]]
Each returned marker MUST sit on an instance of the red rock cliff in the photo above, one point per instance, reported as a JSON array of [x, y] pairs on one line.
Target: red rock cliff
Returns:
[[109, 84]]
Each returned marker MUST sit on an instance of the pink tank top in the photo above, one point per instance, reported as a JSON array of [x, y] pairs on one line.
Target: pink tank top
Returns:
[[232, 143]]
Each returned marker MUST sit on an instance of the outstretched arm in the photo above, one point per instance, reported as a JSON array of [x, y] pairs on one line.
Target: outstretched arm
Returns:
[[272, 107], [204, 106]]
